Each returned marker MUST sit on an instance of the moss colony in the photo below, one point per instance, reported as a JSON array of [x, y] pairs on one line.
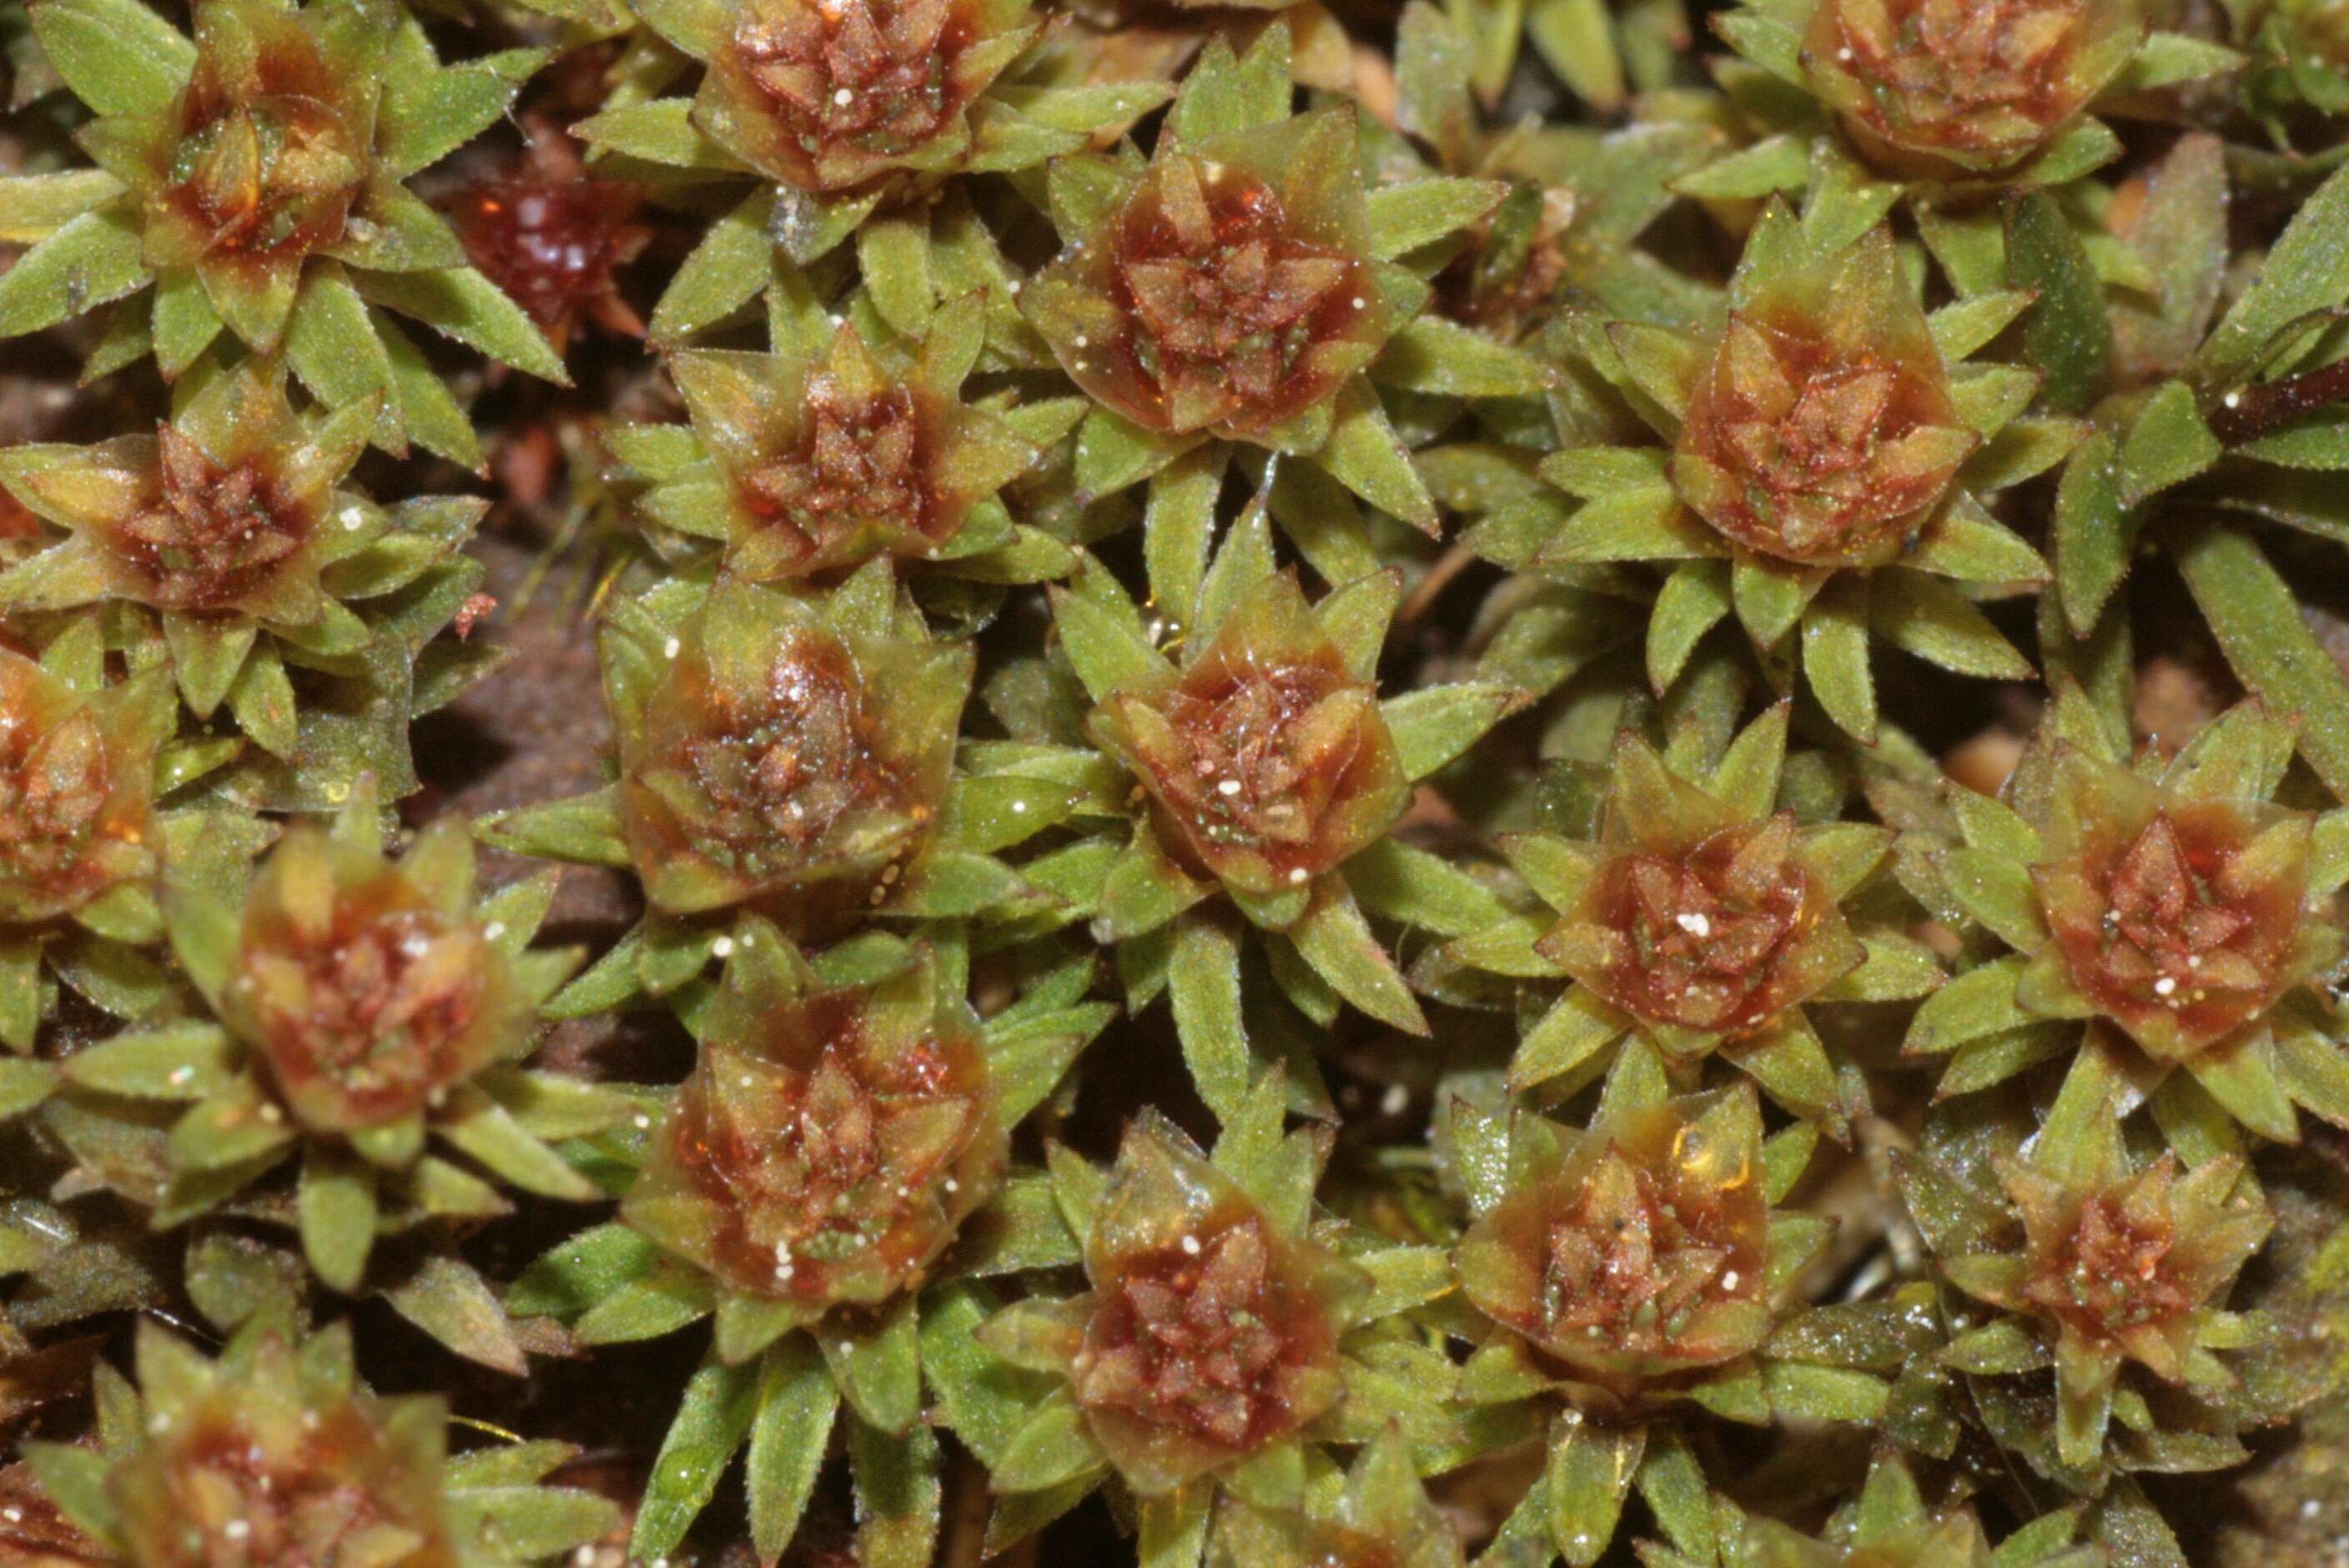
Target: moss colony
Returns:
[[869, 783]]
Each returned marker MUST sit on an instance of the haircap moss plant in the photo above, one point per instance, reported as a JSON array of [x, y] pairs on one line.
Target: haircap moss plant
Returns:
[[250, 184], [1264, 774], [638, 637], [1941, 105], [789, 753], [359, 1008], [2107, 1270], [229, 547], [1239, 287], [277, 1453], [836, 1167], [1701, 922], [2169, 917], [1227, 1335], [1619, 1275], [834, 449], [1808, 475]]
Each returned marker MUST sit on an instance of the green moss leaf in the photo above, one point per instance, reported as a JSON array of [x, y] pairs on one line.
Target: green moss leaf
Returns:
[[117, 56], [712, 1420], [90, 261]]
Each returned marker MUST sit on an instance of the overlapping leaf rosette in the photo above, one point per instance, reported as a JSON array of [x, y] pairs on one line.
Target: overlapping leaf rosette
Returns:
[[1699, 923], [839, 447], [1626, 1277], [1381, 1517], [1241, 287], [2109, 1264], [229, 546], [841, 1149], [1227, 1333], [1890, 1525], [82, 841], [789, 754], [250, 182], [1821, 473], [277, 1452], [370, 1017], [2171, 924], [1264, 777], [1945, 102], [849, 116]]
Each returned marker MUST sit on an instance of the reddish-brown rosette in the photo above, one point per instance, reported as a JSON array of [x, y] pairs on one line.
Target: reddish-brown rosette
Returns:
[[76, 773], [832, 453], [1267, 759], [1702, 919], [1205, 1338], [1714, 938], [2182, 920], [1211, 1333], [1637, 1255], [264, 1459], [366, 991], [831, 95], [831, 1142], [215, 534], [1230, 291], [771, 755], [1954, 90], [2117, 1264], [1824, 431]]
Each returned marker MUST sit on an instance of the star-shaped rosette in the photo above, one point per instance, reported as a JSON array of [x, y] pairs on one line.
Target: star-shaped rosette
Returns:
[[1230, 291], [830, 98], [1937, 102], [1890, 1525], [2097, 1260], [841, 111], [251, 181], [1240, 286], [1266, 776], [236, 550], [81, 842], [835, 448], [1701, 923], [277, 1452], [1220, 1341], [1635, 1253], [366, 1013], [1617, 1275], [791, 753], [833, 1172], [2170, 922], [1820, 472]]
